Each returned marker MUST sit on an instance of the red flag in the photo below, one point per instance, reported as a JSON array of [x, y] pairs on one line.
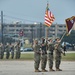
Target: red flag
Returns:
[[70, 24], [49, 17]]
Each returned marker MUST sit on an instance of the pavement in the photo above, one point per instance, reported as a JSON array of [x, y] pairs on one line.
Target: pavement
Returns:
[[17, 67]]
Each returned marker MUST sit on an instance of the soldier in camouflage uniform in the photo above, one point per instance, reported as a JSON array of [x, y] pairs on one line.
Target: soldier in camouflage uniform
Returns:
[[43, 55], [37, 55], [50, 54], [7, 49], [18, 53], [12, 51], [58, 52], [1, 51]]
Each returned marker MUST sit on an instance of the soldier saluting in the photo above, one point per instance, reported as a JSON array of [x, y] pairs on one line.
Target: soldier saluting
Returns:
[[50, 54], [7, 49], [37, 55], [1, 51], [43, 55]]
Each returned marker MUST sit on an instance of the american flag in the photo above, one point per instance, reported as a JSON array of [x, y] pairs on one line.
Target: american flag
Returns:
[[49, 17]]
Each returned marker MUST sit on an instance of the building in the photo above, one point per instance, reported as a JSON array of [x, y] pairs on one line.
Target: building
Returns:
[[32, 31]]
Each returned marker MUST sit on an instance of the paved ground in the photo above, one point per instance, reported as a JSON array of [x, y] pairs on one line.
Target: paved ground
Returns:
[[16, 67]]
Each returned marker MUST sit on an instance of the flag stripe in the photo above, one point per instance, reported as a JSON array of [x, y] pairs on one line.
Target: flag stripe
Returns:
[[49, 17]]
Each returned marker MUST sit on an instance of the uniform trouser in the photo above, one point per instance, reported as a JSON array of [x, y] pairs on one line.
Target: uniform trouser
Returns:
[[57, 61], [17, 54], [36, 61], [7, 55], [12, 55], [50, 60], [1, 55], [43, 61]]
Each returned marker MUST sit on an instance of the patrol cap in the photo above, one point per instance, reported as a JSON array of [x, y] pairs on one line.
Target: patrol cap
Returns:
[[36, 39]]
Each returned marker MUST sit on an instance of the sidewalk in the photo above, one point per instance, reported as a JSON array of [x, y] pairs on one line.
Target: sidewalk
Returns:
[[27, 68]]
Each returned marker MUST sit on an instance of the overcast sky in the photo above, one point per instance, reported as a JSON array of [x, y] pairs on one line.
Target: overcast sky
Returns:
[[34, 10]]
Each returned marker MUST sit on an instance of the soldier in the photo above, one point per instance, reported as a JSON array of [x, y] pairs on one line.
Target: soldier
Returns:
[[7, 49], [64, 48], [18, 53], [37, 55], [43, 55], [0, 50], [50, 54], [12, 51], [2, 53], [58, 52]]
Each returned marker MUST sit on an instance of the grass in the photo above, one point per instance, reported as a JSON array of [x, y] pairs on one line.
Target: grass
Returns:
[[69, 57], [30, 56]]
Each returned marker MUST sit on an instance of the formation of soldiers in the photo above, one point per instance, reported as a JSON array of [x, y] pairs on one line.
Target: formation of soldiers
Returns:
[[45, 50], [10, 50]]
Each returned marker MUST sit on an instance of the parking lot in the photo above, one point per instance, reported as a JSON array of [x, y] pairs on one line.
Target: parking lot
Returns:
[[18, 67]]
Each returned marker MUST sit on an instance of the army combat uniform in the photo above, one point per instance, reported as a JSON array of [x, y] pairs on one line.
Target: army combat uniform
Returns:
[[18, 53], [37, 56], [1, 51], [7, 49], [44, 56], [50, 55], [58, 52], [12, 51]]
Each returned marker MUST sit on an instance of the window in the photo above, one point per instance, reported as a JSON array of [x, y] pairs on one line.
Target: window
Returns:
[[11, 29], [18, 25]]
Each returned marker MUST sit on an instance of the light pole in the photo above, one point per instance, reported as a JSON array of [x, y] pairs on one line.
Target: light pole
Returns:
[[40, 30], [2, 26], [32, 33]]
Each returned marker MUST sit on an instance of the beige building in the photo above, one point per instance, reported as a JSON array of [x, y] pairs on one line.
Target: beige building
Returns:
[[33, 30]]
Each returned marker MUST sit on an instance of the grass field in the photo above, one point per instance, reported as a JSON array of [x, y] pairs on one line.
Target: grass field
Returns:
[[30, 56], [69, 57]]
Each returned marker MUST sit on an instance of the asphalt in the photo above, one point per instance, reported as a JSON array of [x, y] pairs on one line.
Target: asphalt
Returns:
[[16, 67]]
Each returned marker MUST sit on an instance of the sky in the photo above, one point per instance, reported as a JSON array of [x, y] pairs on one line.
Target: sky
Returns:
[[31, 11]]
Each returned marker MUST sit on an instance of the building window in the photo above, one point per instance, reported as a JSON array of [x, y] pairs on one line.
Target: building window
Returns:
[[11, 25], [60, 26], [18, 25], [17, 30], [11, 29], [60, 30]]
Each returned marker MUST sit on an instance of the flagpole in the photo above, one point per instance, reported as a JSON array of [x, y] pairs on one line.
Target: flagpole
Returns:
[[63, 36], [46, 35]]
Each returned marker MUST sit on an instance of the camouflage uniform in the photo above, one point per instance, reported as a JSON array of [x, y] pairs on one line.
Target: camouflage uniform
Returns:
[[18, 53], [58, 52], [0, 50], [44, 56], [12, 51], [7, 49], [50, 55], [37, 56]]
